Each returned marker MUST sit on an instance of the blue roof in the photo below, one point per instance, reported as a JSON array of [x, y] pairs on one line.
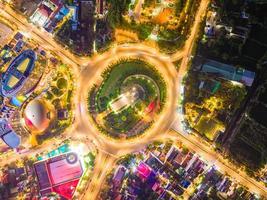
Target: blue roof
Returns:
[[212, 64], [42, 175], [185, 183], [14, 101], [8, 135], [229, 72], [11, 139], [74, 17], [13, 71], [62, 13]]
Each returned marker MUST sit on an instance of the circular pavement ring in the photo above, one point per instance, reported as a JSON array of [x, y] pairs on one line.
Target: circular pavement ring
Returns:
[[145, 76], [109, 124], [92, 75]]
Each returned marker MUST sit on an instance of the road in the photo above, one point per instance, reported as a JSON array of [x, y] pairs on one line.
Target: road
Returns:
[[42, 37], [89, 70], [91, 75], [103, 165]]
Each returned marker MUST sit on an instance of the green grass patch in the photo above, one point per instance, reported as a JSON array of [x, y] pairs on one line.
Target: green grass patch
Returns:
[[123, 121], [62, 83], [116, 74]]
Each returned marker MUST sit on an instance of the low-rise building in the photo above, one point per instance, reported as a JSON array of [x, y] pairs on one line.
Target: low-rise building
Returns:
[[119, 175], [229, 72], [62, 114], [45, 12]]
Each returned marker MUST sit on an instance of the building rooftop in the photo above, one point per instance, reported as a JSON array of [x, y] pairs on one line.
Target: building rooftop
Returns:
[[59, 174], [8, 135], [229, 72], [36, 116], [119, 174], [17, 73]]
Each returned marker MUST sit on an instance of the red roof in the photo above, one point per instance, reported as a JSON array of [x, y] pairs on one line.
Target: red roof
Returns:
[[66, 190], [44, 10], [151, 107]]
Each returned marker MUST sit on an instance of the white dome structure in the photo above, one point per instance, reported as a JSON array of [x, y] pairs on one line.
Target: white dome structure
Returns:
[[37, 116]]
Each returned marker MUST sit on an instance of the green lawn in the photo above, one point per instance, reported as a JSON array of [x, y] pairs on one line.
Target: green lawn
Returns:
[[122, 77], [114, 78], [207, 127], [123, 121]]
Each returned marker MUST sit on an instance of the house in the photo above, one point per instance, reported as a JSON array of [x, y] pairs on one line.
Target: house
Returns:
[[62, 114], [172, 153], [83, 37], [209, 86], [187, 158], [191, 163], [74, 19], [179, 158], [119, 175], [45, 12]]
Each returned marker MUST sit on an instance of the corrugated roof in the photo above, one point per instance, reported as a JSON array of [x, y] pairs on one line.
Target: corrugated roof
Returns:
[[229, 72]]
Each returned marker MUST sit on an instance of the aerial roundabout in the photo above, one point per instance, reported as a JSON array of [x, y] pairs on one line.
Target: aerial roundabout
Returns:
[[128, 99], [127, 96]]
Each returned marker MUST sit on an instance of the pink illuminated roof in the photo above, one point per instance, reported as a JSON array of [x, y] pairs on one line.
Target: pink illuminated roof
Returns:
[[143, 170], [59, 174], [66, 190], [45, 10], [61, 171]]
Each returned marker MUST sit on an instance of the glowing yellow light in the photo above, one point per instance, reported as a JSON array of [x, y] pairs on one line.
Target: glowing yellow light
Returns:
[[78, 149]]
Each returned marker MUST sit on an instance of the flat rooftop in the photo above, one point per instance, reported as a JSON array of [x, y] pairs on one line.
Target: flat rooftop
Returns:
[[23, 65], [12, 81], [59, 174]]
